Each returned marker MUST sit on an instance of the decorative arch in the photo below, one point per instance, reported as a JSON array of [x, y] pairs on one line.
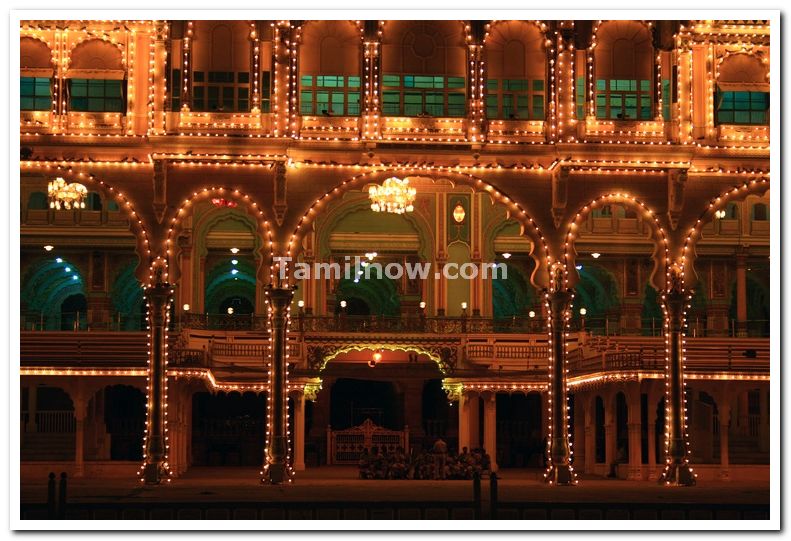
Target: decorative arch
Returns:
[[688, 255], [265, 252], [540, 254], [316, 40], [220, 283], [136, 224], [344, 208], [435, 353], [35, 54], [48, 284], [424, 47], [661, 254], [97, 45], [127, 296], [500, 34], [742, 67]]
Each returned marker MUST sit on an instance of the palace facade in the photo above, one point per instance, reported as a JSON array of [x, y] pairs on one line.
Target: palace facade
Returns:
[[618, 163]]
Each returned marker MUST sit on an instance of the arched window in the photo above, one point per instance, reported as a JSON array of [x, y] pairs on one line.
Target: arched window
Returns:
[[742, 95], [96, 78], [423, 69], [624, 64], [93, 201], [516, 70], [329, 69], [760, 212], [35, 64], [221, 66], [732, 211]]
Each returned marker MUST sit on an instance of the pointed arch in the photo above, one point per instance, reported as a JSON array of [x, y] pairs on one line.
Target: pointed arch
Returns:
[[170, 268], [686, 259], [529, 228], [660, 256]]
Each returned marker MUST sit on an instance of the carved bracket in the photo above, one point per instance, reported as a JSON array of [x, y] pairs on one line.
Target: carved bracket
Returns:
[[560, 190], [279, 207], [676, 182], [160, 189]]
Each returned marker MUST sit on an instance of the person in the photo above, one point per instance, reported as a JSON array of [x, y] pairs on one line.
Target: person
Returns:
[[440, 452]]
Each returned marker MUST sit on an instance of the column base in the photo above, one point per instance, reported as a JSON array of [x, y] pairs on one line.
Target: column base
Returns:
[[679, 475], [559, 474], [275, 474], [152, 473], [635, 474]]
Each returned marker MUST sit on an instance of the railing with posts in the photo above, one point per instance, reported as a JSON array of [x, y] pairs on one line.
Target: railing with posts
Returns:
[[55, 421], [63, 348]]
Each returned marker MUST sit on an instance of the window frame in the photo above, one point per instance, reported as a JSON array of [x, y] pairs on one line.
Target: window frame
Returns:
[[35, 96], [641, 91], [502, 96], [203, 87], [719, 100], [121, 98], [440, 85], [332, 92]]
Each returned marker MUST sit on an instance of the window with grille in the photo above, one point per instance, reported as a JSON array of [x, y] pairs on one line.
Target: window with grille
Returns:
[[742, 107], [623, 99], [666, 100], [221, 91], [419, 95], [336, 95], [35, 94], [521, 99], [580, 89], [174, 89], [265, 90], [97, 95]]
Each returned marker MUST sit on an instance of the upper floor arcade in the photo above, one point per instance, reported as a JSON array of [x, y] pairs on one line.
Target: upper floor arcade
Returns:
[[699, 83]]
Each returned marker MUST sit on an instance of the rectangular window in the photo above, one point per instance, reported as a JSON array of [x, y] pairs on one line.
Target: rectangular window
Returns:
[[35, 94], [266, 91], [97, 95], [416, 95], [742, 107], [174, 89], [335, 95], [581, 102], [515, 99], [666, 100], [221, 91], [623, 99]]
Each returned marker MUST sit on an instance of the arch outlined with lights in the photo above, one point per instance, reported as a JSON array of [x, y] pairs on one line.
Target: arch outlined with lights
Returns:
[[686, 259], [541, 253], [136, 224], [404, 347], [660, 241], [251, 207]]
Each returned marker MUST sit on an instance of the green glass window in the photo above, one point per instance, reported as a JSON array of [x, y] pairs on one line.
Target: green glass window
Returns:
[[515, 99], [336, 95], [35, 94], [173, 88], [266, 91], [666, 100], [415, 95], [97, 95], [742, 107], [623, 99], [581, 101], [221, 91]]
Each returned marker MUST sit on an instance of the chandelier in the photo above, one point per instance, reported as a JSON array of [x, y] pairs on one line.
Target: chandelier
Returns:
[[394, 195], [66, 196]]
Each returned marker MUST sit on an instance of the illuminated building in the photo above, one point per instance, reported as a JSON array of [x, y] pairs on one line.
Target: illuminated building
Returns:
[[594, 156]]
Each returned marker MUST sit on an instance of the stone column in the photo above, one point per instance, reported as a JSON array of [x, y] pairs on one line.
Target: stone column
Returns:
[[651, 438], [299, 431], [677, 471], [560, 467], [763, 433], [741, 292], [159, 298], [276, 459], [635, 427], [724, 415], [590, 437], [80, 412], [474, 420], [464, 420], [32, 410], [490, 427], [610, 442]]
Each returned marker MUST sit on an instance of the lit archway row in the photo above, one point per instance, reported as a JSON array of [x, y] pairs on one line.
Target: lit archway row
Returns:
[[541, 253], [139, 230], [252, 208], [658, 234], [686, 261]]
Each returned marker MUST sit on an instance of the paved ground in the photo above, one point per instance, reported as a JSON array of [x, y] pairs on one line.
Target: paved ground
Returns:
[[341, 484]]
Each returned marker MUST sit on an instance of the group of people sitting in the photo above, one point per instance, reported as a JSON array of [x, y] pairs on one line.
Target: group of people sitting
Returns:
[[434, 464]]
